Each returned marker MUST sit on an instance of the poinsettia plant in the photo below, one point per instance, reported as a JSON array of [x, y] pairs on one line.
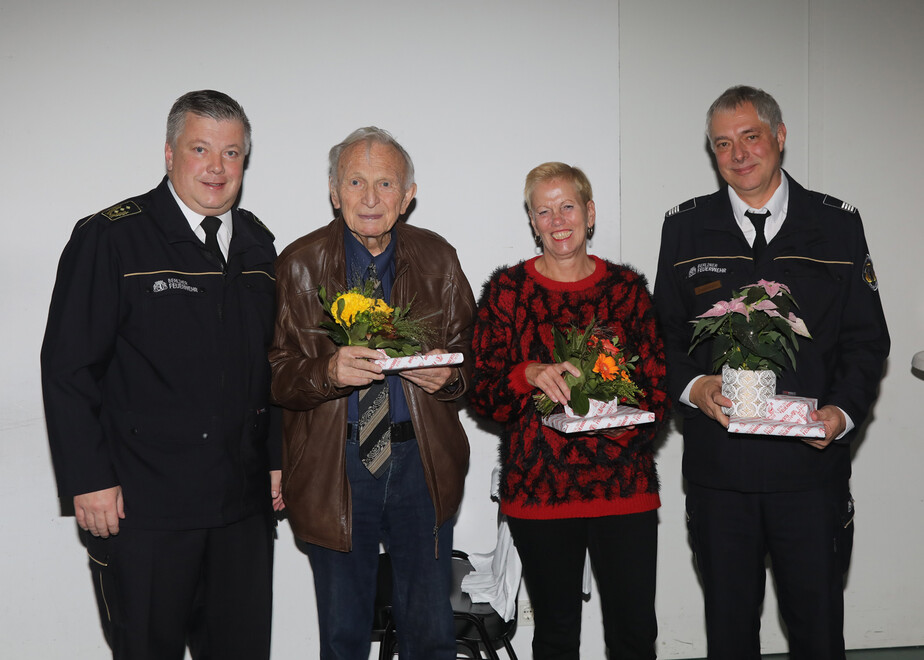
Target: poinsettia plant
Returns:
[[754, 330], [605, 368], [359, 318]]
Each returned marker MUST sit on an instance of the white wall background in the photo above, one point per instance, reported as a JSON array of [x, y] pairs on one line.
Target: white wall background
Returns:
[[479, 93]]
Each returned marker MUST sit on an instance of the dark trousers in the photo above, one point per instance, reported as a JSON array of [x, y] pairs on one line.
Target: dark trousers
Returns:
[[396, 510], [623, 554], [808, 536], [159, 590]]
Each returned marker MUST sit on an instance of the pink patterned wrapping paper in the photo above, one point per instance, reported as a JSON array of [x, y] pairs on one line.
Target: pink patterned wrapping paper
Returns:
[[623, 416], [415, 361], [597, 408], [762, 426], [798, 409]]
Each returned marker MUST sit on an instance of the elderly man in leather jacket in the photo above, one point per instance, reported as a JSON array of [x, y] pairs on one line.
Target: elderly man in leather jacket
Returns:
[[338, 504]]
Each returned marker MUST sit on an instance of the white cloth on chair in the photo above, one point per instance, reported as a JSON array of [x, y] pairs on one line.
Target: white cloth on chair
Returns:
[[496, 578]]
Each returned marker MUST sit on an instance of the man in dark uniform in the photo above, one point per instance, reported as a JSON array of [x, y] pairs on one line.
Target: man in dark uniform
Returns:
[[750, 495], [156, 384]]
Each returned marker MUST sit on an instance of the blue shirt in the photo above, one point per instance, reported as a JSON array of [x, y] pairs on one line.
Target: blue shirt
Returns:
[[358, 259]]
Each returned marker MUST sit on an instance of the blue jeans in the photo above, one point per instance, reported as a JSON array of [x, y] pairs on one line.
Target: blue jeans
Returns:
[[397, 511]]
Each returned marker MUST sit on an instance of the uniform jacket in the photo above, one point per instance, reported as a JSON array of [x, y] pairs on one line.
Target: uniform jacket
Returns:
[[314, 484], [155, 369], [820, 252]]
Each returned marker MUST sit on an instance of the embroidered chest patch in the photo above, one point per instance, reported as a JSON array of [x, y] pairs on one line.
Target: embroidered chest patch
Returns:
[[174, 284], [706, 267]]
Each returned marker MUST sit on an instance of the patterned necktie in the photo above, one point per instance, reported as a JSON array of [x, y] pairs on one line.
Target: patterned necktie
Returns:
[[760, 241], [374, 419], [210, 225]]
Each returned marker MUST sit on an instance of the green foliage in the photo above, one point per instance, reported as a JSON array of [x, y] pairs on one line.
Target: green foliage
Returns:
[[754, 330], [604, 369]]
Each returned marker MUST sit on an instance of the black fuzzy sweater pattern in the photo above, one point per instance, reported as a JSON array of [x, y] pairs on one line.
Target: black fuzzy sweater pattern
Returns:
[[547, 474]]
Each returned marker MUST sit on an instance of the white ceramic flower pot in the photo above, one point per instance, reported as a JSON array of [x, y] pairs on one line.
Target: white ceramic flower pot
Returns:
[[749, 391]]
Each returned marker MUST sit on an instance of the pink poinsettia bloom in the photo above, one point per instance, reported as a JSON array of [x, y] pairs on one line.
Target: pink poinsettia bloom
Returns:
[[798, 325], [724, 307], [767, 306], [771, 288]]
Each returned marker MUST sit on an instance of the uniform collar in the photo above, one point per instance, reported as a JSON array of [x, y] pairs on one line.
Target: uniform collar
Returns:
[[170, 215], [777, 204], [195, 219]]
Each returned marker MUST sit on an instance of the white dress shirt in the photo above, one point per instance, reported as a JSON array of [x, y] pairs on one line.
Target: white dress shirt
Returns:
[[778, 205], [195, 223]]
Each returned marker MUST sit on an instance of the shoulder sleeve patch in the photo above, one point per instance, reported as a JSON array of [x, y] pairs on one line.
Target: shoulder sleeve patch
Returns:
[[869, 275], [680, 208], [838, 204], [253, 218], [122, 210]]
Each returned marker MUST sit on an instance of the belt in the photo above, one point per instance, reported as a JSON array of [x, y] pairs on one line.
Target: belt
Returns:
[[400, 431]]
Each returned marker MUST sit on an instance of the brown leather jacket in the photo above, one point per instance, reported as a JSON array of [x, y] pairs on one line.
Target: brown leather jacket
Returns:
[[314, 482]]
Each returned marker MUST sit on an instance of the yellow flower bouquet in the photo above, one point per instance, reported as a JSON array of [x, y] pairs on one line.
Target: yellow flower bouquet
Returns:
[[359, 318]]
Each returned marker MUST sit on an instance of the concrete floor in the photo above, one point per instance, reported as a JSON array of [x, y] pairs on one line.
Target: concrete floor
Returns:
[[906, 653]]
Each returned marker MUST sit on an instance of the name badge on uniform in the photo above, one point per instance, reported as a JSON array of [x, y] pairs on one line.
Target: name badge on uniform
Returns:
[[706, 288]]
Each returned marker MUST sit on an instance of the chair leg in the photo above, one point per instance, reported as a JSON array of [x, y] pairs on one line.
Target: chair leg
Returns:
[[509, 648], [482, 633], [471, 646], [387, 645]]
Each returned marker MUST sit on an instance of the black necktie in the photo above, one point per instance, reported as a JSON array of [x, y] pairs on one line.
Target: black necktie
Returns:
[[374, 418], [760, 241], [210, 225]]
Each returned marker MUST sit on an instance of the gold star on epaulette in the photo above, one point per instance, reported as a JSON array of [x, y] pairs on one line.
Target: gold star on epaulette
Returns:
[[122, 210]]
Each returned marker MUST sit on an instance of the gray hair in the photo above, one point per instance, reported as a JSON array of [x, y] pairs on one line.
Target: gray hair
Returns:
[[768, 110], [369, 135], [206, 103]]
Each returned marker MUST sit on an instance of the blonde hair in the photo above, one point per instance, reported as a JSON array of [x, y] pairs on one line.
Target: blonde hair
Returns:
[[556, 170]]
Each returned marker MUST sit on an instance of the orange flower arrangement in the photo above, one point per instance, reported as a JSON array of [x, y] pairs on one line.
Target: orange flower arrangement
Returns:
[[605, 369]]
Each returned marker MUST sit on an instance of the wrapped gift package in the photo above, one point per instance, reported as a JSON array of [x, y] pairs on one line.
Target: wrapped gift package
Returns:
[[621, 416], [796, 409], [417, 361], [764, 426], [597, 408], [786, 416]]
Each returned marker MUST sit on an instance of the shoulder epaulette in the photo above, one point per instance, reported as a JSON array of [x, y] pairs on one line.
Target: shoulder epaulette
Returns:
[[253, 218], [121, 210], [680, 208], [838, 204]]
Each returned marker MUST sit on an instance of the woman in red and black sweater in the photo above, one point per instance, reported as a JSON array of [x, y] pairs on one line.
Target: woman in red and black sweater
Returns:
[[566, 494]]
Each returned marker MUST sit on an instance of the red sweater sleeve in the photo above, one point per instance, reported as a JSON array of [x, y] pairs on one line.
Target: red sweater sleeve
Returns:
[[499, 390]]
